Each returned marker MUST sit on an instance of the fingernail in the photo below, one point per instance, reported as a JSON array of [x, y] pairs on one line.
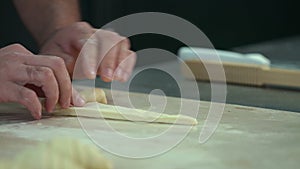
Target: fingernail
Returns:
[[122, 75], [108, 73], [37, 116], [92, 74], [50, 109], [80, 101], [66, 104], [119, 74], [125, 76]]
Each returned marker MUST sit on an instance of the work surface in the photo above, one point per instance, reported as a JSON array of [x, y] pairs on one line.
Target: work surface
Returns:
[[265, 97], [283, 53], [246, 137]]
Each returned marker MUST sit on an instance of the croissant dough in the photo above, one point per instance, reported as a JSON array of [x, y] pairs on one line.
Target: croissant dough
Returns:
[[99, 110], [59, 153]]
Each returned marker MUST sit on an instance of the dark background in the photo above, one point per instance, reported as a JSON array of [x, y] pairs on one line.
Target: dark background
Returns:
[[228, 23]]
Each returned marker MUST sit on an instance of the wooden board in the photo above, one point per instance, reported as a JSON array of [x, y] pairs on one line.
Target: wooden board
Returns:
[[246, 137]]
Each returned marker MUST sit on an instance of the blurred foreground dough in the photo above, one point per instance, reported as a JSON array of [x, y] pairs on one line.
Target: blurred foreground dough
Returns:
[[59, 154]]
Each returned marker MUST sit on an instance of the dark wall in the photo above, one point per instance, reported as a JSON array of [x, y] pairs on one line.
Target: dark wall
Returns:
[[12, 30], [228, 23]]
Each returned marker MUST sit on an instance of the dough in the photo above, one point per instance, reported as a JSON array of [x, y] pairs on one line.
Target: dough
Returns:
[[94, 95], [58, 154], [89, 95], [99, 110]]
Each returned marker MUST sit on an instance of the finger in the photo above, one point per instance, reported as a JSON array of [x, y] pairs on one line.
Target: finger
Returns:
[[41, 77], [122, 50], [79, 41], [84, 31], [17, 48], [24, 96], [59, 70], [77, 99], [126, 61], [108, 53], [109, 63], [87, 61], [126, 64], [126, 44], [69, 59]]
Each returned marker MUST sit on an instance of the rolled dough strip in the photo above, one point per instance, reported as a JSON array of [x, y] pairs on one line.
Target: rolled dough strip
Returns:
[[98, 110]]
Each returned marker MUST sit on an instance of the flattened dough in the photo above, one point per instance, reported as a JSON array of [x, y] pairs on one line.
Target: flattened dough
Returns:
[[59, 153], [99, 110]]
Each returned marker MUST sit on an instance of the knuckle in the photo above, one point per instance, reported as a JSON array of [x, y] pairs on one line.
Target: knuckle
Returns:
[[58, 62], [112, 33], [31, 72], [83, 25], [128, 55], [133, 55], [16, 46], [13, 47], [126, 40], [47, 73], [108, 64], [119, 38], [39, 74]]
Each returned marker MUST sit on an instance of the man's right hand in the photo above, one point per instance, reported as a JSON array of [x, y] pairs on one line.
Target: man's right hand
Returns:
[[20, 68]]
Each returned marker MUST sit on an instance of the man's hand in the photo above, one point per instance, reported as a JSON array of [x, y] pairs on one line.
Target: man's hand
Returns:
[[20, 68], [88, 52]]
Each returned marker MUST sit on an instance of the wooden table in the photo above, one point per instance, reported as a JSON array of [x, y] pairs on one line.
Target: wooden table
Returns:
[[246, 137]]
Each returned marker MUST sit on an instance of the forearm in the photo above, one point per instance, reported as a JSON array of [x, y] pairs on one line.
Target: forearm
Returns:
[[44, 17]]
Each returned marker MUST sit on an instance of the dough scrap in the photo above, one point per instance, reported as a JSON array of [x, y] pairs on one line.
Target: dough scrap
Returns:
[[100, 110], [60, 153]]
